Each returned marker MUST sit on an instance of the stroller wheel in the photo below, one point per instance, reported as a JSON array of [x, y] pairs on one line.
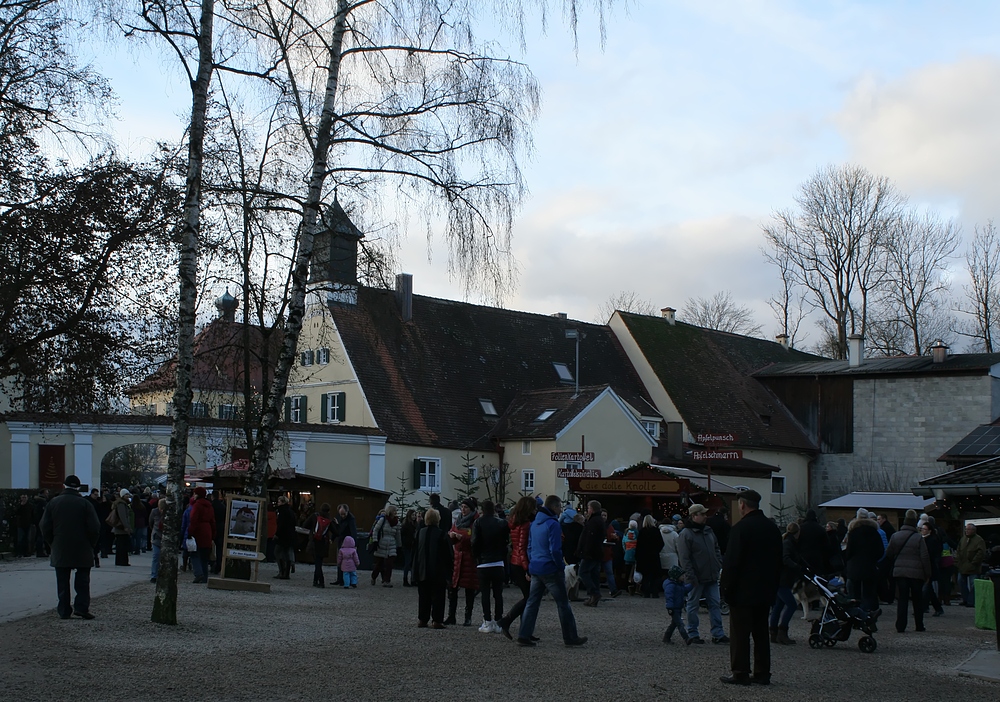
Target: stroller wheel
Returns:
[[815, 641], [867, 644], [830, 643]]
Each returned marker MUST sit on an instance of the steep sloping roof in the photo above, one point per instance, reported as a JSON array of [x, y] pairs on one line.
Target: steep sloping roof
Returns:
[[982, 442], [964, 363], [983, 473], [707, 374], [536, 414], [424, 378], [218, 360]]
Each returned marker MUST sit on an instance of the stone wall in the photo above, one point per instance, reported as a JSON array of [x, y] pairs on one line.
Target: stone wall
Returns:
[[901, 427]]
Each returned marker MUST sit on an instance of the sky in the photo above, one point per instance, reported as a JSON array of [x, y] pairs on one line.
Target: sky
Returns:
[[659, 156]]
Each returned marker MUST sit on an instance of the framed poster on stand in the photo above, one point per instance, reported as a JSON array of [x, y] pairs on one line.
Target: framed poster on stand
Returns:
[[244, 540]]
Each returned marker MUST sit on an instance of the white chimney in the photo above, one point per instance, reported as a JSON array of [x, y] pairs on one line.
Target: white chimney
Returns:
[[939, 351], [783, 340], [669, 314], [855, 350]]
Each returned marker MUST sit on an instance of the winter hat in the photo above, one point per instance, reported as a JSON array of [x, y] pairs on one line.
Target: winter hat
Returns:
[[200, 491], [72, 482], [675, 573], [862, 513], [676, 517], [697, 509], [124, 493]]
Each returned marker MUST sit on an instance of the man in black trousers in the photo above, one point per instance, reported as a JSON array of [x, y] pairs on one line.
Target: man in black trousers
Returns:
[[70, 526], [750, 572]]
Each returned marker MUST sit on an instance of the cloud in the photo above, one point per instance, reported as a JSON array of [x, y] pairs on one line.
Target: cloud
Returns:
[[933, 131]]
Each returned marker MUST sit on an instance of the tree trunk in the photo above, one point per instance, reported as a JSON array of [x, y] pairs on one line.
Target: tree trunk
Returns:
[[300, 273], [165, 602]]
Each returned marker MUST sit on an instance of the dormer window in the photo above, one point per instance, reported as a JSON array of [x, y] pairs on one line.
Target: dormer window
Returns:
[[562, 370], [488, 408], [545, 415]]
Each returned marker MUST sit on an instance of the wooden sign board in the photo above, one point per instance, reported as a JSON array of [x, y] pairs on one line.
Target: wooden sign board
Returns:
[[718, 455], [571, 456], [715, 438], [245, 536], [627, 486]]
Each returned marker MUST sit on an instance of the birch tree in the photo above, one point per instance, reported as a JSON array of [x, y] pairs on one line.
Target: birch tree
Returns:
[[982, 295], [835, 243]]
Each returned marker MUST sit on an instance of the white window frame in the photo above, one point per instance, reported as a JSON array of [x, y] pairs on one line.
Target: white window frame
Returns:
[[652, 427], [199, 410], [323, 356], [332, 400], [784, 484], [227, 411], [545, 415], [295, 409], [525, 448], [306, 357], [473, 474], [527, 476], [426, 474], [573, 465]]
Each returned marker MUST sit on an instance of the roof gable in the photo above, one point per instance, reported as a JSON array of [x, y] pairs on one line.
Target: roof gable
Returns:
[[219, 360], [424, 378], [707, 375]]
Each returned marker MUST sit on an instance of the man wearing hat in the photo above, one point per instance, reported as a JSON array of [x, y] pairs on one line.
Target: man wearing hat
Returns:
[[71, 528], [701, 560], [750, 574]]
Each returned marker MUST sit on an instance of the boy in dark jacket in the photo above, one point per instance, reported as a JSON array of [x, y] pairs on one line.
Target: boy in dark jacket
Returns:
[[675, 591], [490, 537]]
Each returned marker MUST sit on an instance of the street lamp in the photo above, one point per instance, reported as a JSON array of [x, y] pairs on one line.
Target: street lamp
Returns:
[[576, 335]]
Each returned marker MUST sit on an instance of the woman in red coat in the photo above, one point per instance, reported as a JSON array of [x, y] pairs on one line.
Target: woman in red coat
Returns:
[[520, 524], [202, 528], [465, 573]]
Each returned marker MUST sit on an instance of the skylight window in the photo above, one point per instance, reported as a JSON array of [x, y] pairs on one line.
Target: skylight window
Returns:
[[545, 415], [488, 408], [562, 370]]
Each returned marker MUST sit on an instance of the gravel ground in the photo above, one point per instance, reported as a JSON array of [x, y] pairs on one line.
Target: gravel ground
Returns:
[[303, 643]]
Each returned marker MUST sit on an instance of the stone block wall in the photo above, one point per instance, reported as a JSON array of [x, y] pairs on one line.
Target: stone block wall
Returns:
[[901, 427]]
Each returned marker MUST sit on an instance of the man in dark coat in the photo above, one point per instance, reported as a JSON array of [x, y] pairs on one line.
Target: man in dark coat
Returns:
[[591, 551], [814, 547], [444, 512], [284, 537], [70, 526], [750, 573]]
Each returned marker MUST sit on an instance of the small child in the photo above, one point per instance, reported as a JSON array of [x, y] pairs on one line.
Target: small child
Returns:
[[675, 591], [628, 544], [348, 562]]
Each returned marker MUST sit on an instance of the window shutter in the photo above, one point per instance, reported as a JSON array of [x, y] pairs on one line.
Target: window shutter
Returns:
[[288, 409], [303, 412], [341, 406], [417, 465], [324, 408]]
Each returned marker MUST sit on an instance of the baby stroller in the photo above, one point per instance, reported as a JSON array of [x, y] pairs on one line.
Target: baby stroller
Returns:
[[840, 616]]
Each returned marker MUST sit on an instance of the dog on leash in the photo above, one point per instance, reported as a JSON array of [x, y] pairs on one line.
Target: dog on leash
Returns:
[[805, 594]]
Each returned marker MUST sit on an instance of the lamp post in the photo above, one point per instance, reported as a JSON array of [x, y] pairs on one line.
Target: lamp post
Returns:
[[576, 334]]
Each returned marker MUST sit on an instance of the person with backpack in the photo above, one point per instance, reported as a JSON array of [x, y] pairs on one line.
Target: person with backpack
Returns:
[[319, 541]]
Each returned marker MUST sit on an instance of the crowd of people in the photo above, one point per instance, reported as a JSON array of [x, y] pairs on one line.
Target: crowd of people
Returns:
[[749, 570]]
